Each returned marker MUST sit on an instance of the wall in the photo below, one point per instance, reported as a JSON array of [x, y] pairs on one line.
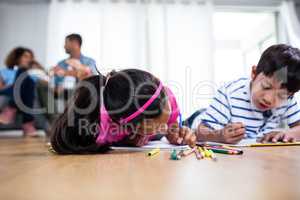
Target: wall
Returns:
[[298, 10], [23, 24]]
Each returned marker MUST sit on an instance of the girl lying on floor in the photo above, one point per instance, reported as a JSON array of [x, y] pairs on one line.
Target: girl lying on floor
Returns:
[[128, 107]]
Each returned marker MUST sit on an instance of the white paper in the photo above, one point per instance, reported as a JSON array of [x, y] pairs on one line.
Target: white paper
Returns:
[[162, 144]]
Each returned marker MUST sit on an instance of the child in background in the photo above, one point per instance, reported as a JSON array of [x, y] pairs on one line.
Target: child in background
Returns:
[[128, 107], [256, 107], [38, 73]]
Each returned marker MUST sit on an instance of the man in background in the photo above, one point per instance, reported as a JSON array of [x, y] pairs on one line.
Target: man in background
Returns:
[[77, 67]]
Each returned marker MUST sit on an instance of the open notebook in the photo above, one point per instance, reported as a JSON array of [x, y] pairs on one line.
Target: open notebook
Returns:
[[163, 144]]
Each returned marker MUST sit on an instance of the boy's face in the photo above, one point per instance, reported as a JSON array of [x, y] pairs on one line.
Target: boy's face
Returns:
[[266, 92]]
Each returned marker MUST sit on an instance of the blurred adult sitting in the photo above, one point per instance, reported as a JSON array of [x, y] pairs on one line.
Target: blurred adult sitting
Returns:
[[77, 67], [19, 87]]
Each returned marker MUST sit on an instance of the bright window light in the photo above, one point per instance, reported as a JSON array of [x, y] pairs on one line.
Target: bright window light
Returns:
[[240, 38]]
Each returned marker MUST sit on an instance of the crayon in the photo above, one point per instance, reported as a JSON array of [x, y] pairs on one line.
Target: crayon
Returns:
[[153, 152], [206, 152], [188, 152], [174, 155], [180, 120], [227, 151], [198, 153], [201, 152], [212, 155], [231, 148], [275, 144]]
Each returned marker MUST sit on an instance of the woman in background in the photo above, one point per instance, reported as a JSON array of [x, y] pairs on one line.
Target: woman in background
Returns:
[[18, 62]]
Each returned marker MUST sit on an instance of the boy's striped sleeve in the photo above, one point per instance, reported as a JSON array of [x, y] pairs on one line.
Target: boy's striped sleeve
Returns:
[[292, 114], [217, 114]]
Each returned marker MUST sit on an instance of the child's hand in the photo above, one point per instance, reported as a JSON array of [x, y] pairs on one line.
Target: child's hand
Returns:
[[232, 133], [75, 63], [57, 71], [277, 136], [179, 136]]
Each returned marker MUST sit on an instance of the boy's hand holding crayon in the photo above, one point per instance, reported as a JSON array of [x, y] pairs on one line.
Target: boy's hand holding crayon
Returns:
[[232, 133], [181, 136]]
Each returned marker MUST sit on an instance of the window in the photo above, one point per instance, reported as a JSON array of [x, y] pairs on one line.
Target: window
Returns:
[[240, 38]]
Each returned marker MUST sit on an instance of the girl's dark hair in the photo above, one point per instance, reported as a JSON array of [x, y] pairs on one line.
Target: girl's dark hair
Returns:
[[283, 61], [123, 93], [13, 58], [128, 90]]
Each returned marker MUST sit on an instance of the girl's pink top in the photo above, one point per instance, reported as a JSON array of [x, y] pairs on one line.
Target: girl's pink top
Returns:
[[110, 132]]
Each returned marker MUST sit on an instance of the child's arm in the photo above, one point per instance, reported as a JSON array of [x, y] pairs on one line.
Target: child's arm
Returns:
[[231, 133], [214, 123], [290, 135]]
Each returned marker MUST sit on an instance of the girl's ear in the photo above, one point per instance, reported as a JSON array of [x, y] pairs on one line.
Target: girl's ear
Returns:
[[253, 72]]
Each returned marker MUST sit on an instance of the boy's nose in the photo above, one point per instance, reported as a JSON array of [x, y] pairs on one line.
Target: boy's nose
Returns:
[[269, 100]]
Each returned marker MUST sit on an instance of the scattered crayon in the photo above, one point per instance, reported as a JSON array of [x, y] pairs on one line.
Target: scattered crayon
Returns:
[[227, 151], [174, 155], [206, 152], [212, 155], [153, 152], [223, 150], [181, 152], [198, 153], [201, 152], [188, 152]]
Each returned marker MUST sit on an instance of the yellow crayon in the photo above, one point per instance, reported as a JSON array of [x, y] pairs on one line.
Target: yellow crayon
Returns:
[[201, 152], [207, 153], [212, 155], [198, 153], [275, 144], [153, 152]]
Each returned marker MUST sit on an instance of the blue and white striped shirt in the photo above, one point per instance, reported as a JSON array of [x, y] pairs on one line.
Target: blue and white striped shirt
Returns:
[[232, 103]]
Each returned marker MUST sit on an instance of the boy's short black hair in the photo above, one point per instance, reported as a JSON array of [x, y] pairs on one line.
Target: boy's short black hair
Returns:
[[75, 37], [283, 61]]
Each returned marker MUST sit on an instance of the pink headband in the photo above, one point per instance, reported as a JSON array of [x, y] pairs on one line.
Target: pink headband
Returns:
[[144, 107]]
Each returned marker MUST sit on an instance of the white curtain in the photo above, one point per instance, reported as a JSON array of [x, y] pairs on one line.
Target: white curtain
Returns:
[[171, 39], [290, 24], [290, 27]]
